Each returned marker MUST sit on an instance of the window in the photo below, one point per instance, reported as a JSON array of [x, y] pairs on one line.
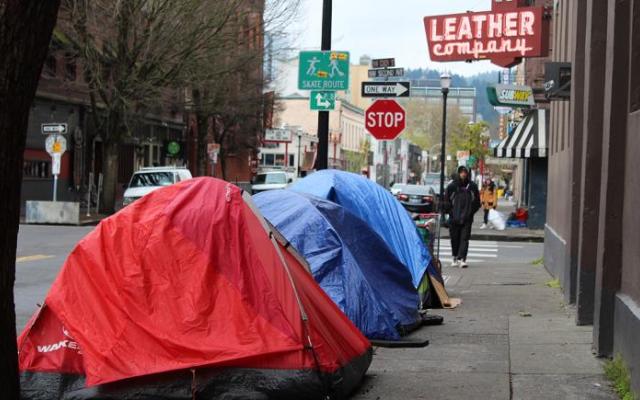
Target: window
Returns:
[[39, 169], [152, 179], [267, 159], [70, 69], [50, 66], [292, 160], [279, 159]]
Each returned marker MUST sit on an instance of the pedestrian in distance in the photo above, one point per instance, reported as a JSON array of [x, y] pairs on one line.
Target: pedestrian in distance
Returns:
[[489, 200], [462, 200]]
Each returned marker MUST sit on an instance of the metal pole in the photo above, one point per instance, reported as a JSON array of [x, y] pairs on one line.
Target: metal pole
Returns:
[[445, 92], [55, 187], [323, 116], [385, 182], [298, 162]]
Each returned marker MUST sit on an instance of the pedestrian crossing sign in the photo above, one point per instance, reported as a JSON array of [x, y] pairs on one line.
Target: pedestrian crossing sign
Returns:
[[323, 70]]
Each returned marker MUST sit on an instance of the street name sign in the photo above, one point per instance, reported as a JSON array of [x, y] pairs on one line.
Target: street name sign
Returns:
[[54, 128], [504, 35], [323, 70], [386, 73], [383, 63], [386, 89], [322, 101], [385, 119]]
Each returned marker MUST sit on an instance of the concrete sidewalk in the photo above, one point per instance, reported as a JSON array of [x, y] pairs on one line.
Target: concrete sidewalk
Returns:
[[512, 338]]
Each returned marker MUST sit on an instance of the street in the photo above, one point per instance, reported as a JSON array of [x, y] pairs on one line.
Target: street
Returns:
[[512, 337], [40, 253]]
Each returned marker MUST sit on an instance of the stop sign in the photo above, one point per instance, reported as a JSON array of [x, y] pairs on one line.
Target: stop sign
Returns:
[[385, 119]]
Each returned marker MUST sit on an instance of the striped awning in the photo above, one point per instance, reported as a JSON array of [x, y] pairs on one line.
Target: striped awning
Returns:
[[529, 140]]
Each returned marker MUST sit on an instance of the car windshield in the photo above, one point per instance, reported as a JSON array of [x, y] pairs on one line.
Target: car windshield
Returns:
[[270, 179], [432, 179], [152, 179], [416, 189]]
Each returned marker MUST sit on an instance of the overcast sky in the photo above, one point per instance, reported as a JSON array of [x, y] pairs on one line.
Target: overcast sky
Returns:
[[385, 28]]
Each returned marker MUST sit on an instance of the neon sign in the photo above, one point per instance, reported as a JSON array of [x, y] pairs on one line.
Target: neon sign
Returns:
[[503, 35]]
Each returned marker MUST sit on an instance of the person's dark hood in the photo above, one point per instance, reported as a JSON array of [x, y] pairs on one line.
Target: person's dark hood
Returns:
[[460, 169]]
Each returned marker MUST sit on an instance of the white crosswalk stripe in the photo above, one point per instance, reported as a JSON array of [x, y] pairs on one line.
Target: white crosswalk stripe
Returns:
[[479, 252]]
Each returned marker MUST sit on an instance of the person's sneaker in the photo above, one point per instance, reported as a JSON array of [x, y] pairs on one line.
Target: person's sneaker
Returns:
[[463, 264], [455, 262], [484, 226]]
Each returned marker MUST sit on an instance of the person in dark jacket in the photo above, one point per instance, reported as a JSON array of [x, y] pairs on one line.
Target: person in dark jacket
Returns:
[[462, 200]]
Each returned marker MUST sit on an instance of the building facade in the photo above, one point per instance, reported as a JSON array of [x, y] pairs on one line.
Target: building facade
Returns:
[[459, 97], [591, 234]]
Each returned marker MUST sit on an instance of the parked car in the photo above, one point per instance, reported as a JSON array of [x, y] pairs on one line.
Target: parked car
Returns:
[[417, 198], [270, 180], [146, 180], [397, 188]]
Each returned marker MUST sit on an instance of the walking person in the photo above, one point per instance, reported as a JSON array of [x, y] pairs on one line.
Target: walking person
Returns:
[[462, 200], [489, 200]]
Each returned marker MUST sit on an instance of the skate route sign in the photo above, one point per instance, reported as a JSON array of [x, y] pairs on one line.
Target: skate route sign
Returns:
[[323, 70], [322, 101]]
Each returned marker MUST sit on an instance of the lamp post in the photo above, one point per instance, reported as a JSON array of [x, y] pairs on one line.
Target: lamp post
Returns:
[[445, 82]]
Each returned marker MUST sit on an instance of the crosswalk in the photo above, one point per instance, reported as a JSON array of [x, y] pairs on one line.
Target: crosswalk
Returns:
[[479, 252]]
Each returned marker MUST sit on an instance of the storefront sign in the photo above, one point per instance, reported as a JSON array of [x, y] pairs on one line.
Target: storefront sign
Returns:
[[503, 35], [277, 135], [510, 95]]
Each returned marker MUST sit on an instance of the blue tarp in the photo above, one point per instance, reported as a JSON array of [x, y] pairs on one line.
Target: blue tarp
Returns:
[[376, 206], [348, 259]]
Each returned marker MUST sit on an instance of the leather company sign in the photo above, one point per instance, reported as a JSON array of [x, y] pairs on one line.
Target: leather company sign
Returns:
[[503, 35]]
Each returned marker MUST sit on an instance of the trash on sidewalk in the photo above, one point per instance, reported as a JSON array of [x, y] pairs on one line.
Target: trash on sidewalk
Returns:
[[185, 292]]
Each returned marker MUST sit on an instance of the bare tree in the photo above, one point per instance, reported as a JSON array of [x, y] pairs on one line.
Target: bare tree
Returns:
[[133, 52], [25, 31]]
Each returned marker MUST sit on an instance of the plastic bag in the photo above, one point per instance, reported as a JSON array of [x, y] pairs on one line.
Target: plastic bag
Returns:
[[497, 220]]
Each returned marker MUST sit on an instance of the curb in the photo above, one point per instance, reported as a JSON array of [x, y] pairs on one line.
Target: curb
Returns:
[[502, 238]]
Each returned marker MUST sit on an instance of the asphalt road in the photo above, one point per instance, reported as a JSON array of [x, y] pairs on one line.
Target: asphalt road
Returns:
[[40, 254], [43, 249]]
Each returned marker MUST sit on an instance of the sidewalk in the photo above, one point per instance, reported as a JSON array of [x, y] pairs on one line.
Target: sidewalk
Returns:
[[512, 338], [507, 235]]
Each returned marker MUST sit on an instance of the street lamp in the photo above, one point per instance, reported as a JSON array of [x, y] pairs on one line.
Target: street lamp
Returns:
[[445, 82]]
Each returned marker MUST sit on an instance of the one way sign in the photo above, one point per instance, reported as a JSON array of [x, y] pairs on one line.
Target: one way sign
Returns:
[[386, 89]]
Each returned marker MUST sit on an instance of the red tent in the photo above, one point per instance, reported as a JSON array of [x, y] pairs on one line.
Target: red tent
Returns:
[[188, 290]]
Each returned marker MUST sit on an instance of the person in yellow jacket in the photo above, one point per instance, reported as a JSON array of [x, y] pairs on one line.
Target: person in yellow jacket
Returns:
[[489, 200]]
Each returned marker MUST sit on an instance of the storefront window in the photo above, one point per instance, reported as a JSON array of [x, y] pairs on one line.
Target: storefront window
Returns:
[[39, 169]]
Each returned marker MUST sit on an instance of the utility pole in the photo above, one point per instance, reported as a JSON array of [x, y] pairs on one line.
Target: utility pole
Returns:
[[323, 116]]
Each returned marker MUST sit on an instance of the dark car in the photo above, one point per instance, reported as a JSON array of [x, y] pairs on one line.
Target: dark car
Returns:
[[416, 198]]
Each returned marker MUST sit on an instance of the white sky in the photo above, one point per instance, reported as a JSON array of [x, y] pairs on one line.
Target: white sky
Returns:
[[385, 28]]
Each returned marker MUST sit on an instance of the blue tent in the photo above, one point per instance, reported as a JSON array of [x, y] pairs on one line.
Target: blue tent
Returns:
[[348, 259], [376, 206]]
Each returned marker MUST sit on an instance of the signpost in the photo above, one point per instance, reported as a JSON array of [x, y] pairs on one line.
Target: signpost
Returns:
[[386, 89], [386, 73], [213, 149], [55, 145], [322, 100], [323, 70], [503, 35], [510, 95], [385, 119]]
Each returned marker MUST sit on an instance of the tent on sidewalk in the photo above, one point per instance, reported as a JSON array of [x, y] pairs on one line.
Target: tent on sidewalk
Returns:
[[377, 207], [349, 260], [186, 294]]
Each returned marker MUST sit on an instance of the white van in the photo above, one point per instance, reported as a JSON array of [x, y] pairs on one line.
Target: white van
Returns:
[[270, 180], [146, 180]]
